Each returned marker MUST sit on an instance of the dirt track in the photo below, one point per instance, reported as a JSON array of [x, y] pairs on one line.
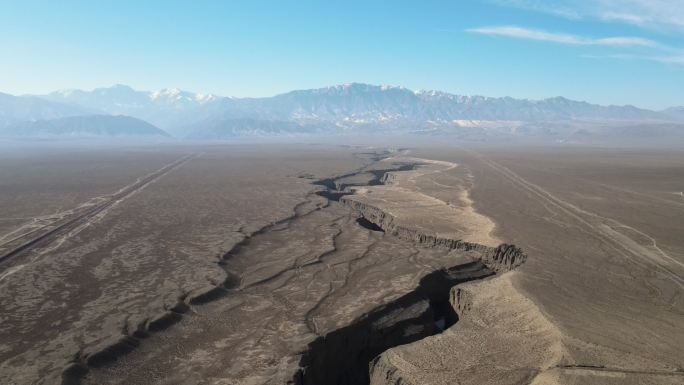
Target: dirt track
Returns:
[[63, 227]]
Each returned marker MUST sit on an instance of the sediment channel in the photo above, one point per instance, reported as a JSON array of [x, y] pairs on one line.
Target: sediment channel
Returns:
[[283, 292]]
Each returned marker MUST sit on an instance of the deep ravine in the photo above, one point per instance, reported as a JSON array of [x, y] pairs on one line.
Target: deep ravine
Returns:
[[419, 313]]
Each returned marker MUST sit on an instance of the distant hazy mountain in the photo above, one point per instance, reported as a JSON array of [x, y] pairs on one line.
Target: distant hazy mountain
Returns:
[[229, 128], [83, 126], [353, 108], [348, 106], [362, 103], [15, 109], [168, 108], [675, 113]]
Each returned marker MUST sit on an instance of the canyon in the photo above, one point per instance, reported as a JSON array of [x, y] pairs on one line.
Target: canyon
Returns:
[[323, 264]]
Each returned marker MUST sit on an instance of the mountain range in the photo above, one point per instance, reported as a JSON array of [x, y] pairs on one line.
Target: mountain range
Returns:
[[84, 126], [342, 109]]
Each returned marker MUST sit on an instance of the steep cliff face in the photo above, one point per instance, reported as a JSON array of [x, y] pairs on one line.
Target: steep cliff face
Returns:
[[381, 370], [502, 258], [461, 300], [353, 354], [494, 319], [389, 224], [343, 357]]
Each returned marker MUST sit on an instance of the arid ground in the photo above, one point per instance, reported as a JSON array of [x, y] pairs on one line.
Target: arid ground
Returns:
[[327, 264]]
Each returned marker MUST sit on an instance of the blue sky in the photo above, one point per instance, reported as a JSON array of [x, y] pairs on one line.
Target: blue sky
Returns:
[[601, 51]]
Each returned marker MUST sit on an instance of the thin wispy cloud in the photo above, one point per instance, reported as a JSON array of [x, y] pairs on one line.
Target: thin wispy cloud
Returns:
[[654, 14], [660, 53], [676, 59], [661, 15], [623, 17], [563, 38], [679, 59], [564, 9]]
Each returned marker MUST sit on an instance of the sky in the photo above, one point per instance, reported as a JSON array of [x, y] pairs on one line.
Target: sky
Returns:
[[600, 51]]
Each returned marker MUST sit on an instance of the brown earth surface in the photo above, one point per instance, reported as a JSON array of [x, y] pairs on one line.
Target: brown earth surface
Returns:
[[599, 299], [314, 264]]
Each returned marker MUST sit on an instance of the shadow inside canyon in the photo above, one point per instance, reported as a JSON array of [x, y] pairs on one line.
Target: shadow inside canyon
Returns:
[[342, 357]]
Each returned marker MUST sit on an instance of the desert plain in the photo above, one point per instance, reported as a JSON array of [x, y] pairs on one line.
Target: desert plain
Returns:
[[415, 263]]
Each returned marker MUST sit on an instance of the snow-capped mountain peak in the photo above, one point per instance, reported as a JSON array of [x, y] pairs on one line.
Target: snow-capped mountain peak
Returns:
[[169, 94], [348, 106], [178, 95], [205, 98]]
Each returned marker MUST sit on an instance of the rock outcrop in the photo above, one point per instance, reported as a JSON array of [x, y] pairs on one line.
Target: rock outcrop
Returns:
[[496, 324], [502, 258]]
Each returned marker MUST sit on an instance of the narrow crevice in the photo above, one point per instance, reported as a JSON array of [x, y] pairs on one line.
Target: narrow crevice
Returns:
[[365, 223], [82, 362], [129, 340], [342, 356], [379, 175], [334, 189], [332, 195]]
